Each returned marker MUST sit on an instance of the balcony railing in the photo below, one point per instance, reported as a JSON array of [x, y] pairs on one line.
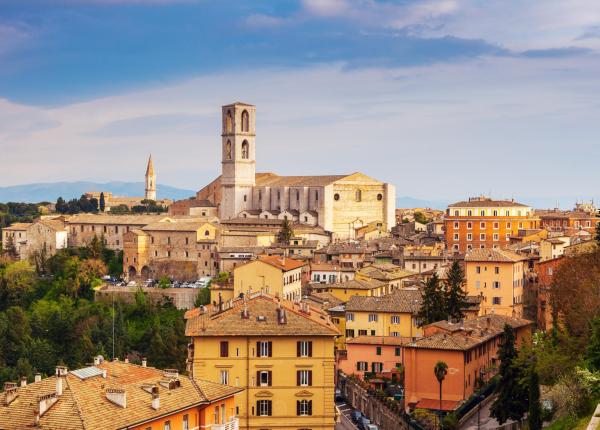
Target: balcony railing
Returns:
[[234, 424]]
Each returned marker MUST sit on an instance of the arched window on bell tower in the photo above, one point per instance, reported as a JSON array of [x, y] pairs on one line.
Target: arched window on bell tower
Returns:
[[228, 150], [245, 150], [228, 122], [245, 121]]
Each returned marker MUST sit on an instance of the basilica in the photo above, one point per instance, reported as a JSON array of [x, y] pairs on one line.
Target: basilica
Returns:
[[340, 204]]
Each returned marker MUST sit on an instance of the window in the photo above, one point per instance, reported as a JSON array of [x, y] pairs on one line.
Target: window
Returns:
[[397, 351], [304, 378], [395, 334], [482, 236], [245, 149], [225, 377], [304, 349], [186, 422], [362, 366], [496, 237], [245, 121], [228, 122], [336, 197], [496, 225], [456, 213], [477, 284], [470, 212], [376, 367], [497, 270], [228, 150], [349, 316], [508, 225], [167, 425], [481, 225], [496, 300], [379, 197], [303, 407], [478, 269], [395, 319], [456, 226], [264, 348], [496, 284], [482, 213], [358, 195], [264, 378], [469, 225], [378, 350], [224, 348], [264, 408], [362, 332], [469, 236], [372, 317], [455, 236], [349, 332]]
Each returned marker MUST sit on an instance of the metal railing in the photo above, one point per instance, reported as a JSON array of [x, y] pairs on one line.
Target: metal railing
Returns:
[[234, 424]]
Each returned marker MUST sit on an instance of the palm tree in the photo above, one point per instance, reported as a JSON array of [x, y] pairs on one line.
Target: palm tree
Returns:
[[440, 370]]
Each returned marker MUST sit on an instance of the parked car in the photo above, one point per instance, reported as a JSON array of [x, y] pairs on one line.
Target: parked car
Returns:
[[363, 423], [355, 416]]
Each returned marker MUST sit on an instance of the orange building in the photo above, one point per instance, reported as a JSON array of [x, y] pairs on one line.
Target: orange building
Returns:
[[482, 222], [382, 355], [498, 277], [118, 396], [470, 349], [545, 274], [569, 222]]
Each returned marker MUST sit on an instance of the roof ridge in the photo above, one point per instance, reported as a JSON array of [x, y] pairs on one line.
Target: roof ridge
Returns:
[[76, 402]]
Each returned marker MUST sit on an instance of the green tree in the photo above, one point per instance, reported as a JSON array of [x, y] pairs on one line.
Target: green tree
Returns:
[[421, 218], [511, 401], [285, 233], [534, 418], [164, 282], [440, 370], [17, 284], [10, 249], [102, 202], [593, 349], [203, 297], [433, 307], [456, 296]]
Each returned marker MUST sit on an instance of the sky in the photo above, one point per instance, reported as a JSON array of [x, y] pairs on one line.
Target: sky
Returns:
[[443, 98]]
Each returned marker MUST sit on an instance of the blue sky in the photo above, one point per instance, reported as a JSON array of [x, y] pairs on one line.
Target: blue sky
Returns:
[[444, 98]]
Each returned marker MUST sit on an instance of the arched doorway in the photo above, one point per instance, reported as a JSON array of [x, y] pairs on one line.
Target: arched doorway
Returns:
[[145, 272], [132, 273]]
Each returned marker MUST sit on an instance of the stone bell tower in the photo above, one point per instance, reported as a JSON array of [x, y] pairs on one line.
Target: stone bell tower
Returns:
[[150, 181], [238, 158]]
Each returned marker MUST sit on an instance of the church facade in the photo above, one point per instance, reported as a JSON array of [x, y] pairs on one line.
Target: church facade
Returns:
[[340, 204]]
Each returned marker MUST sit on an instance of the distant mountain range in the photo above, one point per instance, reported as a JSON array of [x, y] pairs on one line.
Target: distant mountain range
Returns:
[[406, 202], [50, 191]]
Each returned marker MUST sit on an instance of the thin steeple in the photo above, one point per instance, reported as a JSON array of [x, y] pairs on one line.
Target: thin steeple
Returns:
[[150, 168]]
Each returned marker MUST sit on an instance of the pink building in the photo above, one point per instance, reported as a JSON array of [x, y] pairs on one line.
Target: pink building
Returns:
[[377, 354]]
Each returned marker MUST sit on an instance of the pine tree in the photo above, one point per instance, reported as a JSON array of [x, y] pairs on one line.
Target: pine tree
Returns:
[[286, 232], [102, 202], [456, 296], [534, 418], [433, 307], [511, 401]]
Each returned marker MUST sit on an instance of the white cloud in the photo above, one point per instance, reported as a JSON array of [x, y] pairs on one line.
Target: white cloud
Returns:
[[327, 7], [504, 125]]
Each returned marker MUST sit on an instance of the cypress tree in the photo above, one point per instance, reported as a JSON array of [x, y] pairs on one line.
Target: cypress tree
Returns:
[[512, 399], [102, 202], [286, 232], [433, 307], [534, 418], [456, 296]]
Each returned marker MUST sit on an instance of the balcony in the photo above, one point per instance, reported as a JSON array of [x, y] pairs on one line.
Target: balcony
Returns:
[[234, 424]]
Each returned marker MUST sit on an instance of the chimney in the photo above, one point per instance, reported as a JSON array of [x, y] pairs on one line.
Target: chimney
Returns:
[[104, 373], [38, 377], [10, 391], [171, 373], [23, 381], [245, 313], [45, 402], [155, 398], [61, 372], [488, 322], [126, 360], [144, 362], [118, 396]]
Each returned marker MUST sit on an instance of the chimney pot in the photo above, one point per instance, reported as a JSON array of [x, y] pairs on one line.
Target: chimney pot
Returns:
[[126, 360], [23, 381], [38, 377], [144, 362], [155, 401], [117, 396]]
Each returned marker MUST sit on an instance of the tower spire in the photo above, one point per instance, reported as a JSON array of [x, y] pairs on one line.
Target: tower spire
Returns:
[[150, 180]]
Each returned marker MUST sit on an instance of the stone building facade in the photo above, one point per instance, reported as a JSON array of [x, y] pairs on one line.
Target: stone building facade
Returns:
[[338, 203]]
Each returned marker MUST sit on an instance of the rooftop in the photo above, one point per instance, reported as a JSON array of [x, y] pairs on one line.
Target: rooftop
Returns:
[[379, 340], [260, 314], [399, 301], [353, 284], [282, 263], [486, 202], [493, 255]]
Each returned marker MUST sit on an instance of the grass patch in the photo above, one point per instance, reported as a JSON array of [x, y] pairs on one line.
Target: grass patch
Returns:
[[570, 423]]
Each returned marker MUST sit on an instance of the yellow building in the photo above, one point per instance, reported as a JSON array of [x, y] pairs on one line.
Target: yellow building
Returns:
[[391, 315], [279, 276], [221, 292], [497, 275], [281, 352], [354, 287], [391, 275]]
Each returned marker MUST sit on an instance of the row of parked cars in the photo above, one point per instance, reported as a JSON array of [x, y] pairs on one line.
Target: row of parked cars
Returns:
[[150, 283], [361, 421]]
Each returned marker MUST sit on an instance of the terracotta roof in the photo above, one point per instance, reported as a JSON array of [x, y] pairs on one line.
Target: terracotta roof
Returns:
[[493, 255], [353, 284], [262, 320], [379, 340], [282, 263], [190, 226], [434, 404], [83, 404], [273, 180], [324, 300], [399, 301], [53, 224], [486, 203], [114, 219], [324, 267], [384, 273], [18, 226], [467, 334]]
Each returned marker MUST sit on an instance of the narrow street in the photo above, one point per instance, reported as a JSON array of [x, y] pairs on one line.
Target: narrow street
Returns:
[[486, 422], [345, 422]]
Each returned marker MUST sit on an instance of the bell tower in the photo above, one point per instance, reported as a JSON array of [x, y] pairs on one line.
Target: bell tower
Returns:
[[238, 158], [150, 181]]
